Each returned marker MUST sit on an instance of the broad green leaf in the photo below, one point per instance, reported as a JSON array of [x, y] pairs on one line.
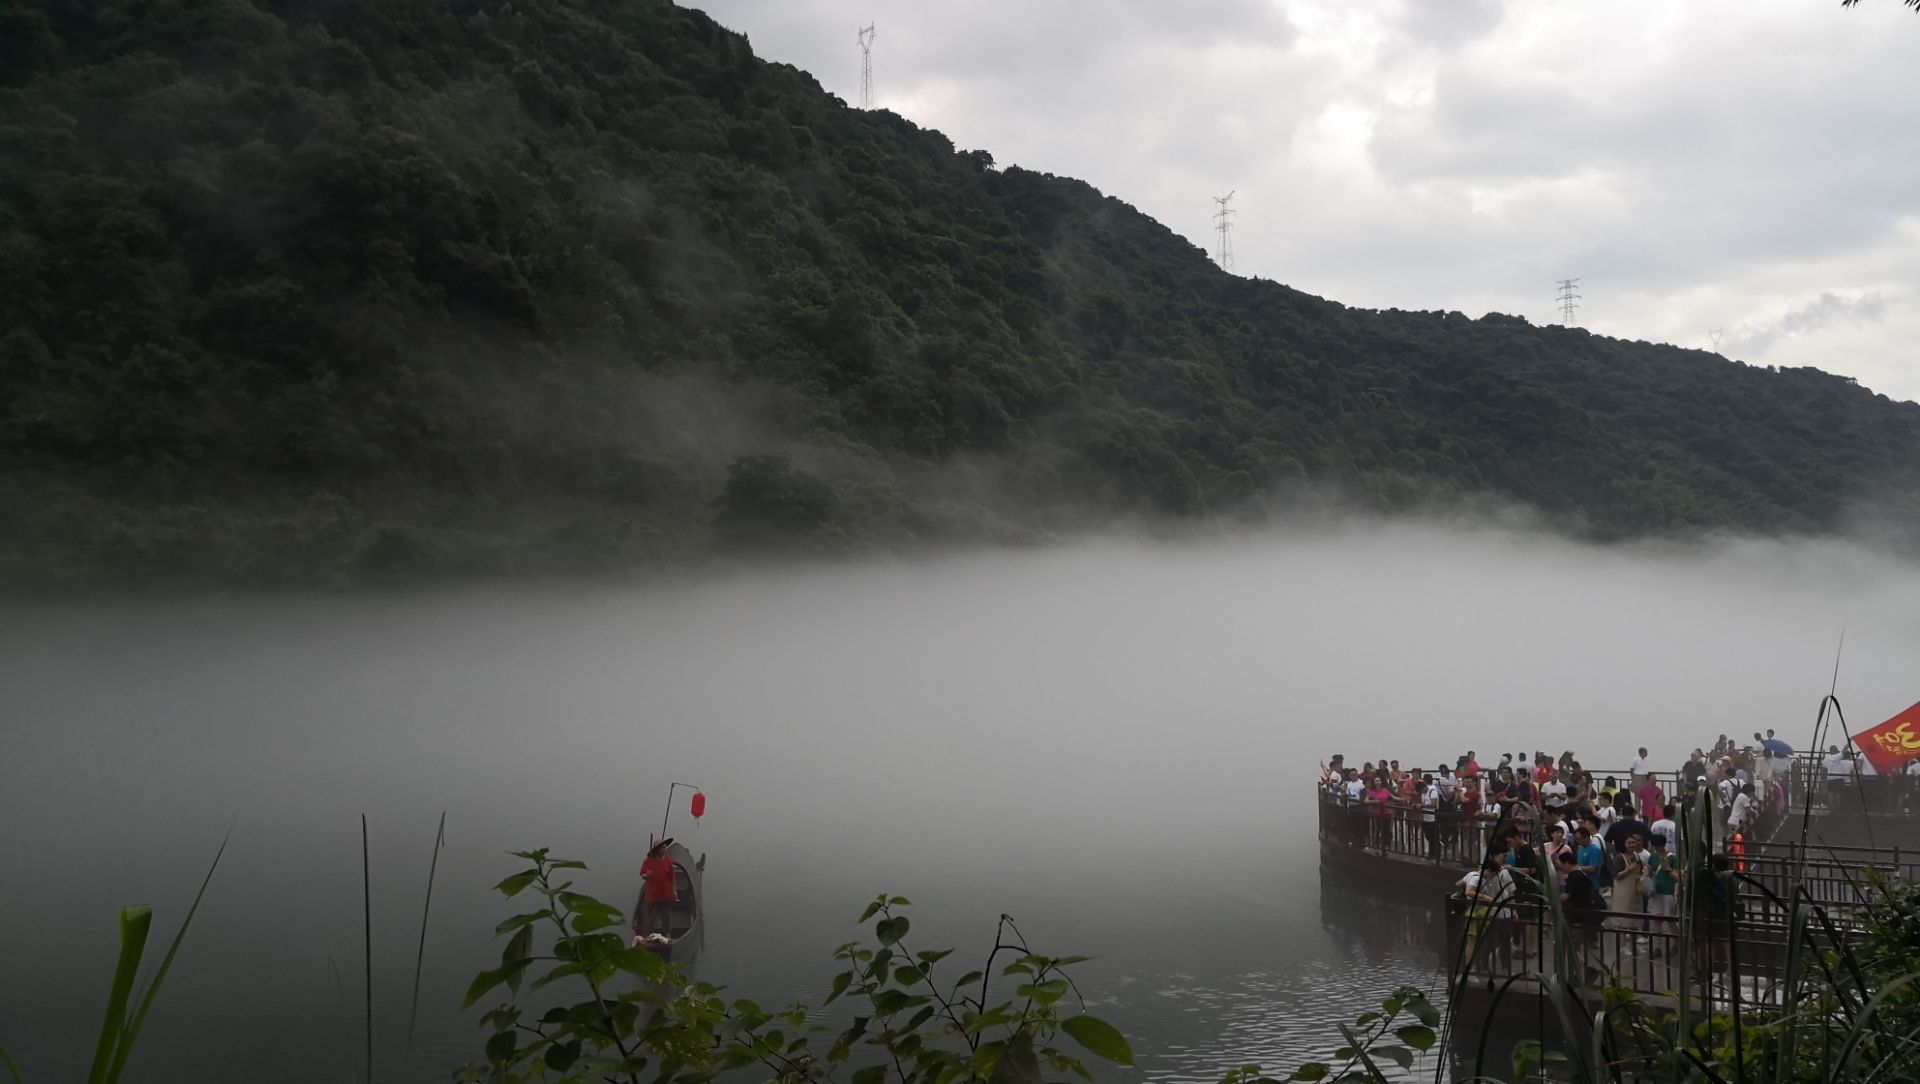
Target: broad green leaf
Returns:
[[1099, 1038], [518, 921], [1050, 991], [932, 956], [1399, 1055], [1420, 1037], [519, 947], [561, 1056], [512, 886], [477, 989], [908, 976], [589, 921], [1017, 1065], [900, 901], [575, 901], [890, 930], [558, 973], [500, 1047], [872, 910], [639, 961], [1313, 1070], [840, 982]]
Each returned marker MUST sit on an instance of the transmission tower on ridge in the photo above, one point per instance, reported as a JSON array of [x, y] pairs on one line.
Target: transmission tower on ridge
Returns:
[[1223, 224], [1569, 299], [1715, 336], [865, 37]]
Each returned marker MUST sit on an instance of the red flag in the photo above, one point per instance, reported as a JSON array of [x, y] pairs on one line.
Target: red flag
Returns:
[[1892, 743]]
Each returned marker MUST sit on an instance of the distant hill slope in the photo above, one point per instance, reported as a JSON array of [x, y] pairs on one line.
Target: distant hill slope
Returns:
[[313, 290]]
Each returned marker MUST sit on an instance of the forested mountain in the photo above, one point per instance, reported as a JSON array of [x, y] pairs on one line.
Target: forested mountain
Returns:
[[310, 290]]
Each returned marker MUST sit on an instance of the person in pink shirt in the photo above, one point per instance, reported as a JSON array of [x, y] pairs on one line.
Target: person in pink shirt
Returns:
[[1648, 794], [1379, 806]]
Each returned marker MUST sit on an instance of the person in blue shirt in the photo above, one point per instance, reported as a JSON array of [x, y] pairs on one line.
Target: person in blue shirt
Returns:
[[1589, 856], [1774, 746]]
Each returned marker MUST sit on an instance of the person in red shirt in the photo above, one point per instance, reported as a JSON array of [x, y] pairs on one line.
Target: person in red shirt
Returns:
[[655, 902]]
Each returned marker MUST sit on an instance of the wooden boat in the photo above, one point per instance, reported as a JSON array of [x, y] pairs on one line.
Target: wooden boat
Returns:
[[684, 932]]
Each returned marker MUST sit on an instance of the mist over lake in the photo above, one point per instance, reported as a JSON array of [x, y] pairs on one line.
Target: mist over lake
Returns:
[[1113, 742]]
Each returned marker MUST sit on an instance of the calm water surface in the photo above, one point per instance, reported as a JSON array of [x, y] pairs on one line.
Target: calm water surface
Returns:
[[1108, 743]]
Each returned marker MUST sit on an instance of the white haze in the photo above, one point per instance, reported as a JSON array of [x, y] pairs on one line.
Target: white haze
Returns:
[[1044, 732]]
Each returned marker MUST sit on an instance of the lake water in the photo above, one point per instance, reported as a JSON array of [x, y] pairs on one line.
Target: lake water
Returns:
[[1112, 743]]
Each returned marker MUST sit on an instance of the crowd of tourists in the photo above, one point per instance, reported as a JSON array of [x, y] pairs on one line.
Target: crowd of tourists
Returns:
[[1538, 790], [1613, 840]]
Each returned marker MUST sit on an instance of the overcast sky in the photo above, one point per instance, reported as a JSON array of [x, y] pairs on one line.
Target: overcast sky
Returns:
[[1747, 165]]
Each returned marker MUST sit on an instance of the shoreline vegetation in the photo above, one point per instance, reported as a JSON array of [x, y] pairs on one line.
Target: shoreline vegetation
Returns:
[[1850, 1012], [306, 294]]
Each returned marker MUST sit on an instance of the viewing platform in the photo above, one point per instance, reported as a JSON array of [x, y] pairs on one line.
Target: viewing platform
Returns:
[[1738, 958]]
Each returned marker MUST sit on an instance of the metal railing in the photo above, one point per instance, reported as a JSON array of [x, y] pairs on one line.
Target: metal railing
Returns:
[[1450, 839], [1834, 877], [1729, 962]]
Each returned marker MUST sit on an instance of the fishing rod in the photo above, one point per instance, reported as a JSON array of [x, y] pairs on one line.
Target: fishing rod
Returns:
[[668, 815]]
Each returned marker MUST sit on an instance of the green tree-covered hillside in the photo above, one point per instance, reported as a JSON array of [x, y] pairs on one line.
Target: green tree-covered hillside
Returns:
[[310, 290]]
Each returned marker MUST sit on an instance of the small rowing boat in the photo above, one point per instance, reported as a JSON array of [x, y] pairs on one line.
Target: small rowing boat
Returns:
[[683, 914]]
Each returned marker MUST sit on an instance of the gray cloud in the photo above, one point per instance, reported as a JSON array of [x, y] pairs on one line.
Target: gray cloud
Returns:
[[1814, 316], [1713, 164]]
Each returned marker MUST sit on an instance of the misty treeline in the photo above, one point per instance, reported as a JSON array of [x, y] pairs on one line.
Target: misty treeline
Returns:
[[299, 291]]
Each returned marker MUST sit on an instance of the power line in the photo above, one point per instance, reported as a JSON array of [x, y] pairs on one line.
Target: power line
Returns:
[[1569, 300], [1223, 224], [865, 38]]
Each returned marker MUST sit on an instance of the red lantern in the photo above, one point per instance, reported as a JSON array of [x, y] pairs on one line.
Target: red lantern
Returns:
[[699, 804]]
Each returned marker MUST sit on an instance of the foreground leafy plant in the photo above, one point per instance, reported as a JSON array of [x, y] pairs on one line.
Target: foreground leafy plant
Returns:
[[644, 1017], [126, 1013]]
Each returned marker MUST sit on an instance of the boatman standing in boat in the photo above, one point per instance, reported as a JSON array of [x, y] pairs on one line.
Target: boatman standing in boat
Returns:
[[656, 903]]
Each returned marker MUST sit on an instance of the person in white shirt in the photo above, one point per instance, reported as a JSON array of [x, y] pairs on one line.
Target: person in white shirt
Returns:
[[1641, 765], [1429, 795], [1740, 814], [1553, 794], [1667, 830]]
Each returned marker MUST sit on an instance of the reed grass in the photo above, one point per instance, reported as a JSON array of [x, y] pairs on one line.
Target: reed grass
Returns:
[[426, 912], [366, 899]]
